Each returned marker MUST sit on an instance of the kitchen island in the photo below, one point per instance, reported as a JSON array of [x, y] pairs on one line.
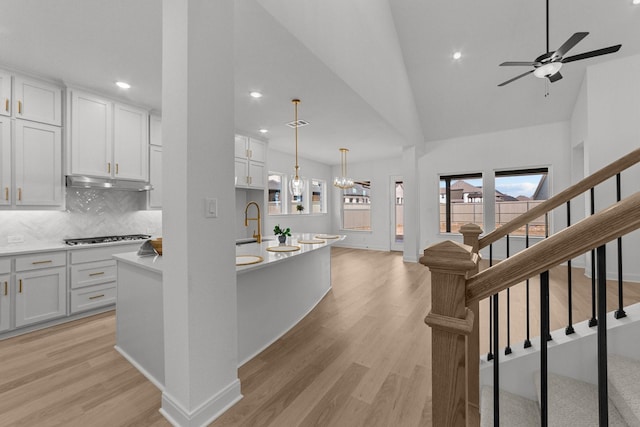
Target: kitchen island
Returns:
[[279, 287]]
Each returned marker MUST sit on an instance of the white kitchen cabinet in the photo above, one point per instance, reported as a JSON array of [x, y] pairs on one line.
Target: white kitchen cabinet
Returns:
[[40, 287], [38, 164], [5, 161], [91, 135], [5, 93], [37, 101], [5, 294], [108, 140], [250, 158], [155, 130], [155, 176], [131, 138]]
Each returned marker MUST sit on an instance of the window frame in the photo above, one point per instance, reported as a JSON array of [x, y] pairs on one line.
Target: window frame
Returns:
[[448, 211], [342, 209]]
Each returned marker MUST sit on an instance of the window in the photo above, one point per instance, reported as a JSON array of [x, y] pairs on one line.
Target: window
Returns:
[[460, 201], [275, 197], [318, 196], [517, 191], [356, 207]]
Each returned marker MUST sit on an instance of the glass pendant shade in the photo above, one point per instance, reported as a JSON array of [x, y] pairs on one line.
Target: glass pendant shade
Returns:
[[296, 185], [343, 181]]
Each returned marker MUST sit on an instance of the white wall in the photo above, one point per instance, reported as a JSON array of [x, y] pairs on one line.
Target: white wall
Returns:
[[278, 161], [378, 173], [538, 146]]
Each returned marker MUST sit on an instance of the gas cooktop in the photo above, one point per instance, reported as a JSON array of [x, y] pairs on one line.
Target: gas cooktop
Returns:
[[106, 239]]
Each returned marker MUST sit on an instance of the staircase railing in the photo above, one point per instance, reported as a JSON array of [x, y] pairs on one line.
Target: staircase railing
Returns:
[[457, 288]]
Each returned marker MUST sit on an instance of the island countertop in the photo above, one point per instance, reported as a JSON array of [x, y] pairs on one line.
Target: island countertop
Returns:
[[154, 263]]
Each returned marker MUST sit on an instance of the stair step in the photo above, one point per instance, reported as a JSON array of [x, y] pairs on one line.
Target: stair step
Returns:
[[515, 411], [573, 402], [624, 387]]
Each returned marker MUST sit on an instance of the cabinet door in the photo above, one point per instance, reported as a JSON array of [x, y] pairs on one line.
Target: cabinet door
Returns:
[[91, 135], [5, 302], [5, 161], [40, 295], [155, 176], [38, 164], [37, 101], [130, 145], [242, 172], [5, 94], [257, 150], [256, 174], [241, 146], [155, 130]]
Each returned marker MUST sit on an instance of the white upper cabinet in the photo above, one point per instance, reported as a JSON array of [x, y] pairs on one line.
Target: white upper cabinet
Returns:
[[5, 161], [37, 101], [155, 130], [91, 135], [130, 143], [108, 139], [38, 164], [155, 176], [250, 158], [5, 93]]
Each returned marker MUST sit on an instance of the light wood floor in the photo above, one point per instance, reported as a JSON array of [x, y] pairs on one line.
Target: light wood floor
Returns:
[[361, 358]]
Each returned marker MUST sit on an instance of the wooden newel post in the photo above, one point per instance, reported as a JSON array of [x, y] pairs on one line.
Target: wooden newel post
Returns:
[[471, 233], [451, 322]]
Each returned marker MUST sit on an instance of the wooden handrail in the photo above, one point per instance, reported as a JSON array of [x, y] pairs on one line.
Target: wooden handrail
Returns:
[[563, 197], [591, 232]]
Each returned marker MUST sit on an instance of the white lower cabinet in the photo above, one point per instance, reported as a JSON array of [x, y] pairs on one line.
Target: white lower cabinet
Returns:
[[5, 294], [40, 295], [93, 297]]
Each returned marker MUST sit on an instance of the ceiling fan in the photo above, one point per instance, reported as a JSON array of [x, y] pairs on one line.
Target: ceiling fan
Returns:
[[548, 64]]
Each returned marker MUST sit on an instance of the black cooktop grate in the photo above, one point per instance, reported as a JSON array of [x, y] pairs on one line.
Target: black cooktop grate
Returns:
[[106, 239]]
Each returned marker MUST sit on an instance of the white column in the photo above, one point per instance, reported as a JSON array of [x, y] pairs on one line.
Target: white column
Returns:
[[199, 280], [411, 204]]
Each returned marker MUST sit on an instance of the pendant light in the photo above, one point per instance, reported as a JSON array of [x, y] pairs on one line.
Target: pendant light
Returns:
[[296, 185], [342, 181]]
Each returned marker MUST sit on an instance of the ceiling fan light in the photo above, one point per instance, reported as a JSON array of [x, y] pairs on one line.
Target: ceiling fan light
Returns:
[[547, 70]]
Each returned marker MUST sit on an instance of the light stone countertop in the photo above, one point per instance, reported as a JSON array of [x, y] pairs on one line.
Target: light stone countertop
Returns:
[[154, 263], [38, 247]]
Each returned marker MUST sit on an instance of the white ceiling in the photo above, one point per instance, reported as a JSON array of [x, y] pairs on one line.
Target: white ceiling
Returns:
[[373, 75]]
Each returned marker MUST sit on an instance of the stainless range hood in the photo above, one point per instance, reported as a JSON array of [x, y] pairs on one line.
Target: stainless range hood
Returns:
[[114, 184]]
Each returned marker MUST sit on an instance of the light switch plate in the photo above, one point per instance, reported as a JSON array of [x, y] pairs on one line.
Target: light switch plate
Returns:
[[210, 208]]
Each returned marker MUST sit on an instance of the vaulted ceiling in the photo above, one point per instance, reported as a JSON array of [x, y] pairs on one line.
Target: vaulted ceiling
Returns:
[[373, 75]]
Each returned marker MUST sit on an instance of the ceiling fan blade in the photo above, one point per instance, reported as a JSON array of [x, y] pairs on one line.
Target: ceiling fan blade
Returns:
[[603, 51], [519, 63], [573, 40], [555, 77], [516, 78]]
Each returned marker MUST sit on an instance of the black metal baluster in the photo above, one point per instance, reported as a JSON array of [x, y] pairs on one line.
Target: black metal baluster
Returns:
[[527, 341], [620, 313], [496, 372], [603, 398], [593, 321], [569, 330], [507, 349], [490, 354], [544, 331]]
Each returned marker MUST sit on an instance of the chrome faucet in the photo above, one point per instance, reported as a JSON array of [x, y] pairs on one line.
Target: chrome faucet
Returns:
[[257, 236]]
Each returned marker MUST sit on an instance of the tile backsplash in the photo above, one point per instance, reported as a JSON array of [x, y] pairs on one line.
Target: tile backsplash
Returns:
[[89, 212]]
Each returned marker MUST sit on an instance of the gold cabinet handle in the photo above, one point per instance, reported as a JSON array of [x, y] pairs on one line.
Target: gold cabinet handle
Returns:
[[97, 273], [19, 107], [6, 105], [96, 296], [6, 193], [117, 169], [20, 282], [41, 262], [108, 167], [6, 287], [20, 194]]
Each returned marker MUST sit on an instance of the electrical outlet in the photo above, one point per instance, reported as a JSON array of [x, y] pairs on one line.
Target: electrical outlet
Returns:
[[15, 239]]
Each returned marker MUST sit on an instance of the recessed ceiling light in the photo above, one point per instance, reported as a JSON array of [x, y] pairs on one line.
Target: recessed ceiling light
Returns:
[[255, 94], [123, 85], [263, 131], [457, 55], [636, 1]]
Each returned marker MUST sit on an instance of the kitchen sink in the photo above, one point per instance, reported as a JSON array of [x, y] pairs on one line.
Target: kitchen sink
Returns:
[[249, 240]]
